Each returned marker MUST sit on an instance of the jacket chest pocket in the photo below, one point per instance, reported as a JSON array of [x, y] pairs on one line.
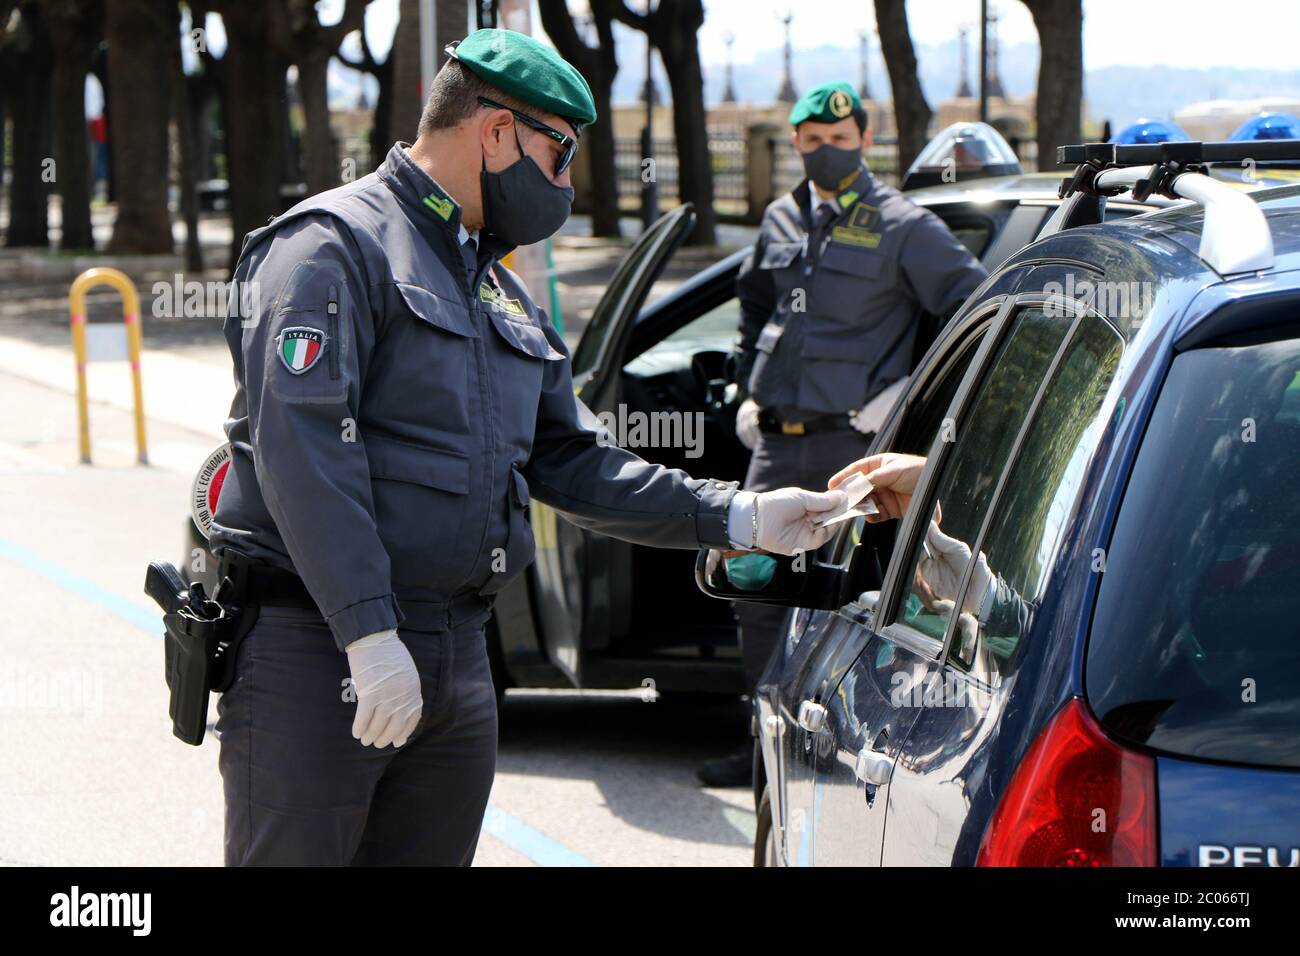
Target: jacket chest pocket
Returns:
[[848, 287], [424, 371], [520, 354], [782, 260]]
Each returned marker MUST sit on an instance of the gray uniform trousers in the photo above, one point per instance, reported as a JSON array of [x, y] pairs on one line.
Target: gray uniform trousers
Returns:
[[779, 461], [301, 790]]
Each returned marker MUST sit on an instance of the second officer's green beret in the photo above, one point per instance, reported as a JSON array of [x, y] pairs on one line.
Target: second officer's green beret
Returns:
[[528, 70], [828, 103]]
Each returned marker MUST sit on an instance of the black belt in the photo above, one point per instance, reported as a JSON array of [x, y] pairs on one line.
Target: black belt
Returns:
[[769, 421], [258, 584]]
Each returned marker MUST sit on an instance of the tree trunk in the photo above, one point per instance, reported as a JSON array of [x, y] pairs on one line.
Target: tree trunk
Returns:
[[382, 124], [75, 32], [1059, 103], [681, 54], [408, 94], [25, 70], [138, 75], [599, 66], [911, 111], [673, 27], [255, 97], [319, 150]]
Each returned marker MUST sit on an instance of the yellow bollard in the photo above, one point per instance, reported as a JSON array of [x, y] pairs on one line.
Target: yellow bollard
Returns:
[[131, 316]]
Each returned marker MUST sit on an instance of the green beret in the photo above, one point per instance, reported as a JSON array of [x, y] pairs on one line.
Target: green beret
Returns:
[[528, 70], [828, 103]]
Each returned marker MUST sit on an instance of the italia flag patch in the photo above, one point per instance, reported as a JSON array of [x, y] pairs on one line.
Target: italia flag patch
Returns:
[[300, 348]]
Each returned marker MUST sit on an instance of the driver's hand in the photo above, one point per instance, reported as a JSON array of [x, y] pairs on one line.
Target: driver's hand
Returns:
[[893, 479]]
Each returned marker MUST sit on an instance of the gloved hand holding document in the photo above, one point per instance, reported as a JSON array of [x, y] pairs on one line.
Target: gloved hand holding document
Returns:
[[857, 503]]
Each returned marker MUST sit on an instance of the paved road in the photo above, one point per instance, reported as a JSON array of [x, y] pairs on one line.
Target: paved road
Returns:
[[91, 773]]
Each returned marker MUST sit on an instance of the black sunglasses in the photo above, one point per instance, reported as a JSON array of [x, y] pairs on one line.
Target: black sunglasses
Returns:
[[568, 143]]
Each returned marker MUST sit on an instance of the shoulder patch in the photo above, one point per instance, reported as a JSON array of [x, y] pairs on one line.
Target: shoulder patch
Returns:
[[300, 348], [206, 490]]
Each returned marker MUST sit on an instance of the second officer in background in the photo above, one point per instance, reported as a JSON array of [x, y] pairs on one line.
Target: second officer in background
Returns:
[[833, 298]]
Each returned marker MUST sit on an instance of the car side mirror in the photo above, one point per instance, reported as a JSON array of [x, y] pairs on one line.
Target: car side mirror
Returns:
[[811, 584]]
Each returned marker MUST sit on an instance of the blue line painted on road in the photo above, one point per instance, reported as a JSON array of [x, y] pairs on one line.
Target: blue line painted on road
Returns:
[[140, 616], [531, 842], [513, 832]]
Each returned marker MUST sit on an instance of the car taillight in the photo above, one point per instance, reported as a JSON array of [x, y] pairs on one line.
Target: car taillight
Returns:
[[1077, 799]]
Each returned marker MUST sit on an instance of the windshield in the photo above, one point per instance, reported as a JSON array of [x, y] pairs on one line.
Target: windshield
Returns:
[[1195, 647]]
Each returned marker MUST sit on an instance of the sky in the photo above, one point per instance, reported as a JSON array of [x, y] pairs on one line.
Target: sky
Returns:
[[1261, 34]]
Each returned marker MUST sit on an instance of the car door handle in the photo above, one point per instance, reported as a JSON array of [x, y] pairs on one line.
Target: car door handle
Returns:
[[812, 716], [872, 767]]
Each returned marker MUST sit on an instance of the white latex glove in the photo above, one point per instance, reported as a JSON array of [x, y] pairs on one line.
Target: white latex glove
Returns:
[[747, 423], [871, 416], [388, 690], [944, 562], [785, 519]]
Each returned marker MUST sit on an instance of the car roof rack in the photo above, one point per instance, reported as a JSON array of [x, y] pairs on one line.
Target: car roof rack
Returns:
[[1235, 237]]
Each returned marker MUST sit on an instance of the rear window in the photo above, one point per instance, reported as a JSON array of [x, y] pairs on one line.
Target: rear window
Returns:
[[1195, 644]]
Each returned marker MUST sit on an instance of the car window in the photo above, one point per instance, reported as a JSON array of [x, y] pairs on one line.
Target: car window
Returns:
[[983, 441], [1194, 648], [915, 435], [614, 305], [715, 330], [1024, 532], [972, 230]]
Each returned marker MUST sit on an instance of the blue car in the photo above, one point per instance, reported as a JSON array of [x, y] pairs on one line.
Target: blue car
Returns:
[[1079, 647]]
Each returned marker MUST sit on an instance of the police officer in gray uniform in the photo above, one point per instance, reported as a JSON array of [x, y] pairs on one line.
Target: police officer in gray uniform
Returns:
[[400, 398], [832, 298]]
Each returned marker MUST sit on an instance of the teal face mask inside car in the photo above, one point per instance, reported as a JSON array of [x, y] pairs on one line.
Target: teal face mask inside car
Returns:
[[751, 572]]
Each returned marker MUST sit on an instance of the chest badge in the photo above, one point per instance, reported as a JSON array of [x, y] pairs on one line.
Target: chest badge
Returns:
[[499, 301], [861, 229], [300, 348]]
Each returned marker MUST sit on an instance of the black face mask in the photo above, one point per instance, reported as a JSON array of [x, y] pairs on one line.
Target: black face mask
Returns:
[[520, 205], [828, 165]]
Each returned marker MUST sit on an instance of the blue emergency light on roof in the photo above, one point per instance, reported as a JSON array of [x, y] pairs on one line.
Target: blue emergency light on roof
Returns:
[[1150, 131], [1269, 126]]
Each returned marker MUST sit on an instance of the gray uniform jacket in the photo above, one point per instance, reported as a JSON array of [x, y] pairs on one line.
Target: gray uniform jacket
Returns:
[[829, 316], [395, 409]]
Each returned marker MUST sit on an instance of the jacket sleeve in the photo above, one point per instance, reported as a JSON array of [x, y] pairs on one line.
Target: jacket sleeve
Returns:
[[939, 270], [308, 451], [577, 469], [757, 293]]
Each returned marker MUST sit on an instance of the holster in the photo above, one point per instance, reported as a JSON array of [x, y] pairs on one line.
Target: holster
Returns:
[[200, 645]]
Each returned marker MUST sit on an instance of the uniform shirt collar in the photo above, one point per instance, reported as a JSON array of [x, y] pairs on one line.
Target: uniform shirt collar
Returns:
[[431, 209], [418, 189]]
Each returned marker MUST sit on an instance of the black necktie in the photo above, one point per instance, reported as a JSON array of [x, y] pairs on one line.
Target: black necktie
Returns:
[[822, 217], [469, 251]]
